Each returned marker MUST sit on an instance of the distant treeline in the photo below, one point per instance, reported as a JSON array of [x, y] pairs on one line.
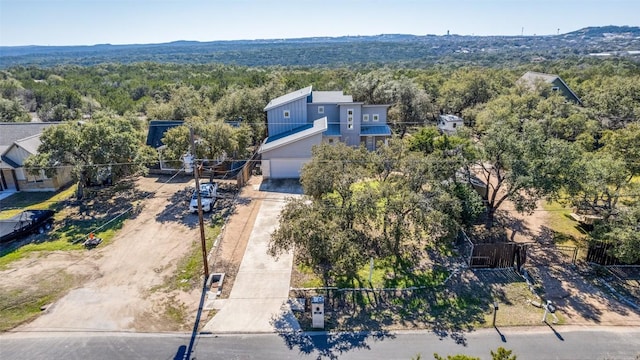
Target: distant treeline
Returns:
[[410, 50]]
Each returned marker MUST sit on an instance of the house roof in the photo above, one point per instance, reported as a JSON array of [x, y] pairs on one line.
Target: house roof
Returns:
[[30, 144], [297, 134], [333, 129], [5, 160], [288, 133], [287, 98], [24, 135], [157, 128], [376, 105], [530, 78], [330, 97], [377, 130], [450, 118], [14, 131]]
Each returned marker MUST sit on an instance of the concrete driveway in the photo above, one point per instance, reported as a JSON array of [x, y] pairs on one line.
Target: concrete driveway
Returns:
[[261, 289]]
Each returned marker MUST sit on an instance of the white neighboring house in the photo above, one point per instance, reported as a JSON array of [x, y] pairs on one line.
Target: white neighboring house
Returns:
[[449, 124]]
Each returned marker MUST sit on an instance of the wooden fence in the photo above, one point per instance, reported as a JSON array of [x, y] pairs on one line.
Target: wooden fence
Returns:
[[247, 170], [498, 255], [600, 253]]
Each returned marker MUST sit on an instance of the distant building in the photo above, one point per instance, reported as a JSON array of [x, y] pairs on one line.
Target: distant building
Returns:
[[449, 124], [531, 79]]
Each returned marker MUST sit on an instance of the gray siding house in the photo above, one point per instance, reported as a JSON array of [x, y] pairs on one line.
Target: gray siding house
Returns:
[[301, 119], [17, 142], [531, 78]]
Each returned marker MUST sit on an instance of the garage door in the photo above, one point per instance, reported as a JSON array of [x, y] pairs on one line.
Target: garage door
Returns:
[[286, 168]]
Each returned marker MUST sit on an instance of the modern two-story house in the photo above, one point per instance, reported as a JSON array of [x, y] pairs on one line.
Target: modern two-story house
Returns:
[[301, 119]]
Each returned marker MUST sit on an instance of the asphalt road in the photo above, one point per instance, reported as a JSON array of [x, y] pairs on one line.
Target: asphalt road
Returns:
[[527, 343]]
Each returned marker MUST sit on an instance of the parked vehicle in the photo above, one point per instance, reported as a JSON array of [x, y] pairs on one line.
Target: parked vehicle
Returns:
[[208, 193], [26, 223]]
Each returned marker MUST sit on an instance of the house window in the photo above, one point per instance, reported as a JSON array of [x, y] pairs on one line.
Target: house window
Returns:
[[555, 88], [350, 119], [454, 125], [320, 109], [330, 140], [376, 117], [286, 114], [36, 178], [365, 117]]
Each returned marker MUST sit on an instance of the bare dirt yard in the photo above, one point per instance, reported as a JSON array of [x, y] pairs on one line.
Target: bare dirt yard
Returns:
[[122, 285], [576, 288]]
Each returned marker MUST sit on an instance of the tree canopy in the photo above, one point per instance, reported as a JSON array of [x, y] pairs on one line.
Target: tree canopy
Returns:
[[107, 146]]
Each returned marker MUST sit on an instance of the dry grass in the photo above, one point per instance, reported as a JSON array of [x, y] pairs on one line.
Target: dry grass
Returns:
[[20, 305]]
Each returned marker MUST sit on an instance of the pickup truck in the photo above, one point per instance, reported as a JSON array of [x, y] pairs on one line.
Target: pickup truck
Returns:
[[26, 223], [208, 193]]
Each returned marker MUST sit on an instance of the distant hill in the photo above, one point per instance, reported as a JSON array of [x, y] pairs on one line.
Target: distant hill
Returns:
[[338, 51], [606, 31]]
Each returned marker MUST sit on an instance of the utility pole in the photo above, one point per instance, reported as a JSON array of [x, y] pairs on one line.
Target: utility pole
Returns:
[[495, 312], [200, 218]]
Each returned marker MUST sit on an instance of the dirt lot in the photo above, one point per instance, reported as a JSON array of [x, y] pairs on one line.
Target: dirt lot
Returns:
[[117, 284], [575, 289]]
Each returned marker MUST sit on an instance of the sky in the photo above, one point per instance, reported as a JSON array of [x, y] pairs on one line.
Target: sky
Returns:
[[90, 22]]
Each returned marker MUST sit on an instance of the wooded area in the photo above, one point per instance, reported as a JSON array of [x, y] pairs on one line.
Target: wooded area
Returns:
[[525, 144]]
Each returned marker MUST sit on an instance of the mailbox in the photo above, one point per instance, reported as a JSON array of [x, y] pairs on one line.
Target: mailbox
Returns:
[[317, 312], [549, 306]]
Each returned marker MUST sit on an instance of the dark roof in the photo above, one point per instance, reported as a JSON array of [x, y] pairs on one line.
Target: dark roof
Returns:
[[9, 161], [380, 130], [288, 133], [302, 132], [333, 129], [11, 132], [157, 128]]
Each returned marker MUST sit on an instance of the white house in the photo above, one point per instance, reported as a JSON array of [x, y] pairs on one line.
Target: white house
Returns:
[[449, 124]]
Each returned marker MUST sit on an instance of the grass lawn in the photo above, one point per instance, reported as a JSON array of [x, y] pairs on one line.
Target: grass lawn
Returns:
[[21, 305], [462, 304], [47, 200], [68, 231], [565, 230]]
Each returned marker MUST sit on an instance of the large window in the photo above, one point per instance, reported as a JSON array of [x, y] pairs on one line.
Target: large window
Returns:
[[286, 114], [320, 109], [350, 119], [36, 178]]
